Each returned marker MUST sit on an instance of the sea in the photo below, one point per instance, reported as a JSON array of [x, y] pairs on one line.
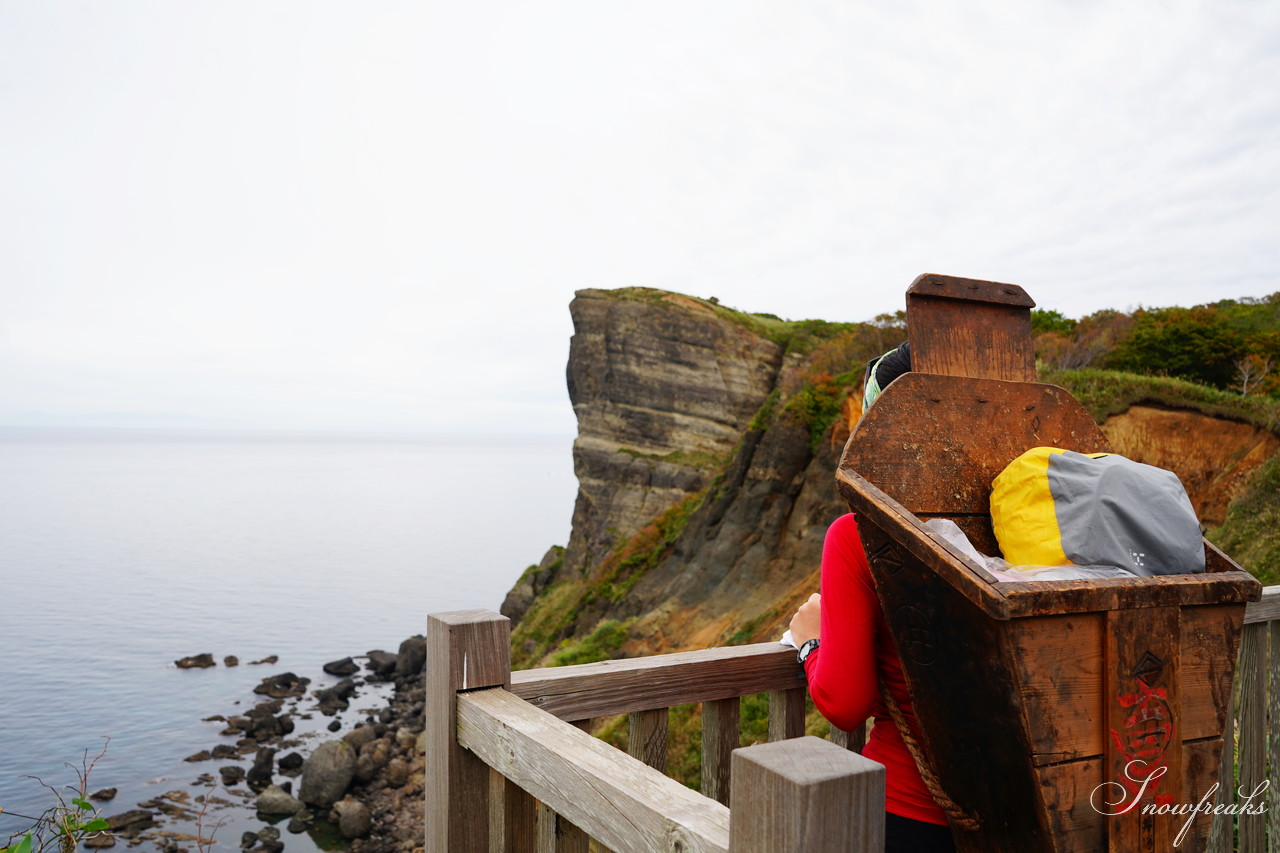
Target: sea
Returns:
[[124, 550]]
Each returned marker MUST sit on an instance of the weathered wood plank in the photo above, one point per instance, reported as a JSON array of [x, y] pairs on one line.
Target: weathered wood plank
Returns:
[[806, 796], [786, 714], [1144, 750], [934, 443], [720, 721], [970, 327], [626, 805], [1059, 661], [1222, 830], [1253, 737], [466, 649], [660, 681], [1273, 732], [647, 737], [1266, 610], [1081, 596], [512, 817]]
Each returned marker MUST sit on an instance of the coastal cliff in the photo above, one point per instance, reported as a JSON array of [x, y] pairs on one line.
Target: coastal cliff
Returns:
[[708, 439]]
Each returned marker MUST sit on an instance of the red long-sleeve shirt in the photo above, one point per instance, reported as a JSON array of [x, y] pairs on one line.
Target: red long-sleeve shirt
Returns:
[[856, 651]]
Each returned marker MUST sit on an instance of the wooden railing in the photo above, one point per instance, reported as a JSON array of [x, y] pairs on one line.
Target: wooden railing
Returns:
[[507, 769], [1251, 729]]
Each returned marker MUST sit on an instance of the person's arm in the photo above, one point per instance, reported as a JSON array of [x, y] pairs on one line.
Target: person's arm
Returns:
[[842, 670]]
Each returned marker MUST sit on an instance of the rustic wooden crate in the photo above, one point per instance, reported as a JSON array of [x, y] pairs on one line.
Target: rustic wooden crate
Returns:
[[1031, 697]]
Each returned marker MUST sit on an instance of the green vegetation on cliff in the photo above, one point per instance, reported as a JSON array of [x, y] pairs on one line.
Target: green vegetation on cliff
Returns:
[[546, 633], [1251, 533], [1109, 392]]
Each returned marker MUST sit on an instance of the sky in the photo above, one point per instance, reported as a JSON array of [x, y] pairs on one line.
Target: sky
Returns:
[[373, 216]]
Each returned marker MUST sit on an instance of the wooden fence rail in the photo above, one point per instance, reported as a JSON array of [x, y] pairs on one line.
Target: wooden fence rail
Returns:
[[1247, 783], [509, 771]]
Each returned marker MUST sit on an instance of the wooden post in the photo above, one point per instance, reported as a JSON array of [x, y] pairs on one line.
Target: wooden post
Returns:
[[806, 795], [719, 739], [852, 740], [466, 650], [1253, 735], [786, 713], [511, 817], [647, 737]]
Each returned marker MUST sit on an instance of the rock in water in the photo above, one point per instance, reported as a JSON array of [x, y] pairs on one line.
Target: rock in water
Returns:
[[354, 820], [282, 686], [132, 822], [291, 764], [195, 661], [327, 773], [232, 774], [413, 653], [259, 775], [103, 795], [346, 666], [382, 663], [231, 660], [274, 801]]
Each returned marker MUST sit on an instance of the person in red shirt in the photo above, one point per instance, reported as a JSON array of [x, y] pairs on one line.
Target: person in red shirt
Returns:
[[847, 651]]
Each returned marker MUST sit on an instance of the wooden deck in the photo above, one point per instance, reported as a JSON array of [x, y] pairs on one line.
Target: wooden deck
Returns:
[[511, 769]]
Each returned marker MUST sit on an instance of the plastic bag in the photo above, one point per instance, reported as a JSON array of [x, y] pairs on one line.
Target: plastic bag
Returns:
[[1001, 570]]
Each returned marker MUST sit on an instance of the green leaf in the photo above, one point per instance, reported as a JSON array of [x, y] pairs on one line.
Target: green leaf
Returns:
[[83, 804], [23, 846], [96, 825]]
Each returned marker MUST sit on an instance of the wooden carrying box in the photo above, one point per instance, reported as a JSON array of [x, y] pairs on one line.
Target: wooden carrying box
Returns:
[[1032, 696]]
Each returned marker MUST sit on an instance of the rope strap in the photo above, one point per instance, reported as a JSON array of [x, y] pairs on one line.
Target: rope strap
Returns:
[[958, 817]]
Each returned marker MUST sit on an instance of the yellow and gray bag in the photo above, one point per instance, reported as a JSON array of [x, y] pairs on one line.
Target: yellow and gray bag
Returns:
[[1050, 507]]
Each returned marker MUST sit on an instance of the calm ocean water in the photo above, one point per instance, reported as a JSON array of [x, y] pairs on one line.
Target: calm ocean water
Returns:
[[121, 551]]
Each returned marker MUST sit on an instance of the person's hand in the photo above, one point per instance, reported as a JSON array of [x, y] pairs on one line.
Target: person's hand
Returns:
[[807, 622]]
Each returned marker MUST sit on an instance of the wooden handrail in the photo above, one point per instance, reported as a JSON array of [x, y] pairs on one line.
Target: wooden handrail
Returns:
[[1266, 610], [590, 690], [627, 806], [490, 753]]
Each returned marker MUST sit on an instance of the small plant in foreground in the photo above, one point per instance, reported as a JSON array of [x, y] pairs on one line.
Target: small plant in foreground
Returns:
[[62, 826]]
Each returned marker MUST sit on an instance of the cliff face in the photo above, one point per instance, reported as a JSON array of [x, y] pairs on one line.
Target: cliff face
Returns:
[[706, 459], [662, 388], [1213, 457]]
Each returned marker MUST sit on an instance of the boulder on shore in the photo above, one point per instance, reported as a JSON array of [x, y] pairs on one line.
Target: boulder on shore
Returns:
[[195, 661], [354, 820], [383, 664], [413, 654], [327, 773], [275, 801]]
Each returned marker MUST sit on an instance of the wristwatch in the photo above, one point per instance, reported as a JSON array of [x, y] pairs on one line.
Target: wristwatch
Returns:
[[807, 648]]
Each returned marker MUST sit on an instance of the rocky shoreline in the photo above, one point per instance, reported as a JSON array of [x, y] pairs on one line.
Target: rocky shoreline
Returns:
[[362, 789]]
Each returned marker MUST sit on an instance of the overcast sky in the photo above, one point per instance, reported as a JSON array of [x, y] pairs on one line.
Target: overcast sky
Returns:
[[374, 215]]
